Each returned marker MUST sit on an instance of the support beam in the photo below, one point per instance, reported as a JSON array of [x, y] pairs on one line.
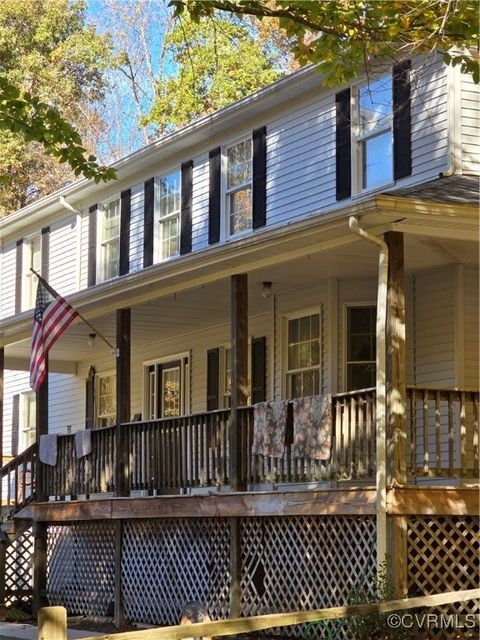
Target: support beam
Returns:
[[123, 398], [118, 609], [39, 566], [239, 325], [396, 407], [41, 410]]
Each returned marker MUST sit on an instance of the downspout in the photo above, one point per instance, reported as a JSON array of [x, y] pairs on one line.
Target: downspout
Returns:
[[381, 412]]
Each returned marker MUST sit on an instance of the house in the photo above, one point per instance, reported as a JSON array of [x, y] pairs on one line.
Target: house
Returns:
[[304, 241]]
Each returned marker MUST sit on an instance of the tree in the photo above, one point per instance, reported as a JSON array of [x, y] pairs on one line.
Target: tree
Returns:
[[51, 76], [343, 36], [216, 61]]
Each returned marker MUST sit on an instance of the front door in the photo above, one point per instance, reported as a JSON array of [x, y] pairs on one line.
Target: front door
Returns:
[[167, 386]]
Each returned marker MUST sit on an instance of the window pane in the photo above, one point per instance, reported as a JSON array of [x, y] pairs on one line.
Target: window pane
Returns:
[[171, 392], [170, 194], [110, 259], [111, 221], [239, 168], [361, 347], [375, 102], [240, 210], [377, 160], [169, 235], [360, 376]]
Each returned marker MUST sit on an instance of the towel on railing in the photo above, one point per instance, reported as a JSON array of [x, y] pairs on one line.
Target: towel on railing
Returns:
[[83, 443], [312, 427], [47, 450], [269, 426]]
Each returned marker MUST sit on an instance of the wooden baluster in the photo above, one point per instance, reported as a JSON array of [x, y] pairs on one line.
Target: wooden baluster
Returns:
[[451, 436], [425, 433], [413, 432], [353, 437], [463, 436], [438, 453], [361, 436], [369, 436], [475, 435]]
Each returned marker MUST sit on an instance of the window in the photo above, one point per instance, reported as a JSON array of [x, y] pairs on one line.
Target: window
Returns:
[[29, 419], [106, 400], [361, 347], [238, 188], [167, 385], [33, 259], [374, 133], [303, 356], [227, 378], [168, 228], [109, 221]]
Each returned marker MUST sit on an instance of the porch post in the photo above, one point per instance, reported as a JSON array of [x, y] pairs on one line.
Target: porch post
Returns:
[[396, 406], [123, 399], [239, 322], [239, 341], [41, 419]]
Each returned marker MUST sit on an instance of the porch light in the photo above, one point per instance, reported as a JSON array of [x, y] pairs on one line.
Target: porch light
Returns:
[[91, 339], [266, 289]]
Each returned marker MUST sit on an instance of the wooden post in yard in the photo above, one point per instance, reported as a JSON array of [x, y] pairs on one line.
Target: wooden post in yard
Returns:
[[41, 417], [52, 623], [396, 407], [2, 375], [123, 399], [39, 566], [239, 341]]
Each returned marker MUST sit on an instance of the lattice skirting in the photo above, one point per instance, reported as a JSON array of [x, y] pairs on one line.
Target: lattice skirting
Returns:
[[19, 568], [81, 567], [443, 555]]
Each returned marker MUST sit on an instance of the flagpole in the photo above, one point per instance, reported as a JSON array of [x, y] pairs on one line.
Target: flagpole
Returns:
[[55, 294]]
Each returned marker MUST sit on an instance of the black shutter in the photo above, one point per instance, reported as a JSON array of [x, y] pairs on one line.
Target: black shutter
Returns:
[[213, 357], [343, 145], [259, 170], [90, 399], [18, 276], [402, 132], [215, 157], [259, 392], [15, 423], [186, 208], [92, 245], [149, 190], [45, 251], [125, 206]]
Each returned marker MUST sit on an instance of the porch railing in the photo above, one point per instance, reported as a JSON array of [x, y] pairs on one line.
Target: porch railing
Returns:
[[182, 453]]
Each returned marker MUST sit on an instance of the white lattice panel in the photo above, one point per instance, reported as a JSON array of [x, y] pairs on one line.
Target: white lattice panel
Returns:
[[305, 562], [167, 563], [19, 568], [81, 567]]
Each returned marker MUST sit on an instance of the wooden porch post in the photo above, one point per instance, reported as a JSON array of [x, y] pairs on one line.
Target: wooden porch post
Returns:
[[2, 374], [123, 399], [239, 341], [41, 416], [396, 405]]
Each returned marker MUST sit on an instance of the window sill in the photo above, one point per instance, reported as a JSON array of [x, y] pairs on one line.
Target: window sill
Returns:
[[372, 190]]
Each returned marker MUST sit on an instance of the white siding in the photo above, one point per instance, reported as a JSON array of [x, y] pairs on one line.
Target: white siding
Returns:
[[434, 327], [136, 228], [471, 325], [200, 193], [63, 262], [66, 402], [7, 282], [470, 110]]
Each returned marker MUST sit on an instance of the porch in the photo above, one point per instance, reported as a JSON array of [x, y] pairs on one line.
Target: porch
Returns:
[[190, 454]]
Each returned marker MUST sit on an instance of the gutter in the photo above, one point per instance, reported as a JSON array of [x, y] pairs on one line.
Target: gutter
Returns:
[[381, 412]]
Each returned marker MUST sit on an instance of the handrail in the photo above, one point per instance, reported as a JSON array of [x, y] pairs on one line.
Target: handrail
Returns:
[[14, 461], [20, 482]]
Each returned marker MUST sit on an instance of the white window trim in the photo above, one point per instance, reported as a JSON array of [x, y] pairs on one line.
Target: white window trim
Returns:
[[346, 306], [24, 395], [100, 209], [185, 380], [98, 377], [225, 234], [285, 318], [356, 148], [28, 277], [157, 239]]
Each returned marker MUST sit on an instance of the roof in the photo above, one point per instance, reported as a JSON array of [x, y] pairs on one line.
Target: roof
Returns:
[[450, 189]]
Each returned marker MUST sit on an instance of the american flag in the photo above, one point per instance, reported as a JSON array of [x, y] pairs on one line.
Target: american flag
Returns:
[[51, 317]]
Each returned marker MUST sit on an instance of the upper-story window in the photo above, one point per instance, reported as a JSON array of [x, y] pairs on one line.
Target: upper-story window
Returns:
[[374, 133], [238, 187], [33, 259], [361, 347], [109, 248], [168, 226], [303, 356]]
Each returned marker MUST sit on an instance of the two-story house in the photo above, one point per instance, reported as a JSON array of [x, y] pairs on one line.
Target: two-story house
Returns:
[[304, 242]]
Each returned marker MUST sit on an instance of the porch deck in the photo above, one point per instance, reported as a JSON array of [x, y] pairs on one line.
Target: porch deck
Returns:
[[186, 454]]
